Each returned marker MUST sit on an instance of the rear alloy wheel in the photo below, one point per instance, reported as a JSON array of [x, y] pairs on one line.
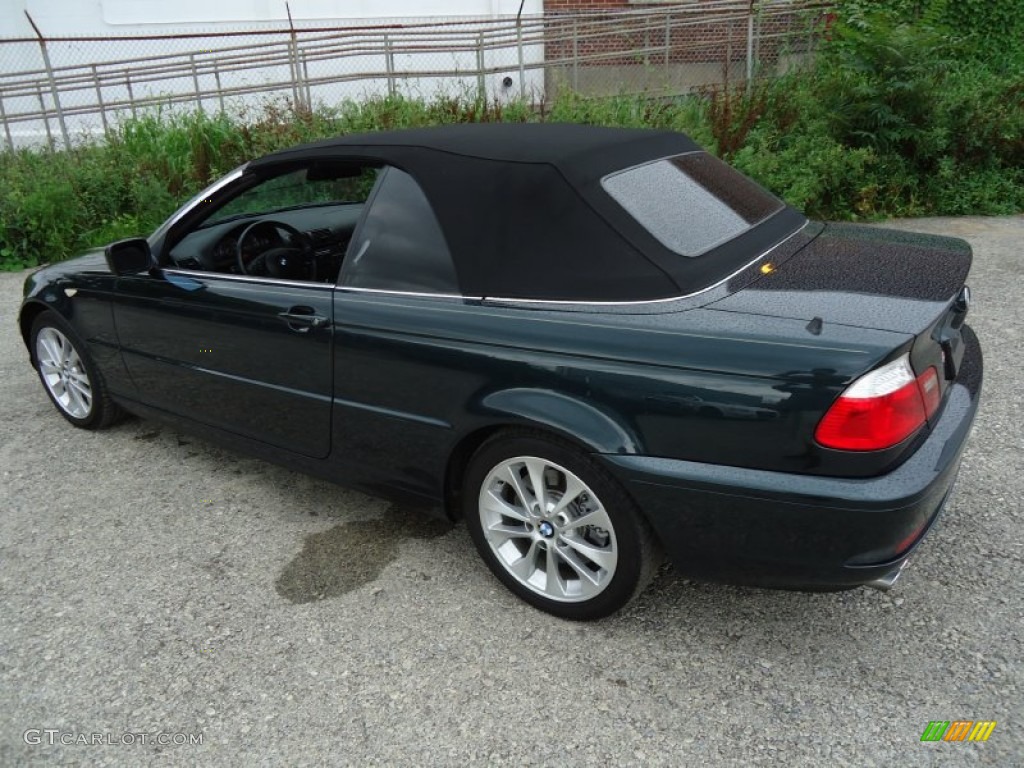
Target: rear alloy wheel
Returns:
[[69, 376], [555, 528]]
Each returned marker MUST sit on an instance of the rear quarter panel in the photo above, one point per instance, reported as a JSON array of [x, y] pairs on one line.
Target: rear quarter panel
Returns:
[[415, 376]]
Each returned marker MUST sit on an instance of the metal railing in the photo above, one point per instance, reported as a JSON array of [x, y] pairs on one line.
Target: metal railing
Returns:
[[62, 89]]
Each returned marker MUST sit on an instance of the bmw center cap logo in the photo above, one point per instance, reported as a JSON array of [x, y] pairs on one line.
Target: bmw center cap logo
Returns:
[[546, 529]]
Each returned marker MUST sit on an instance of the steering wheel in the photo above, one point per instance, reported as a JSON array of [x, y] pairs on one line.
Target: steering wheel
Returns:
[[280, 260]]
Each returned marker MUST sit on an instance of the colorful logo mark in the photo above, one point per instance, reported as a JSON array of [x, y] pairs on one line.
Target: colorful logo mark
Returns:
[[958, 730]]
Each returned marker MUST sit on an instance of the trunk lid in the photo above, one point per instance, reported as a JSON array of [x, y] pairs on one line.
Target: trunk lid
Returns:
[[864, 277], [873, 278]]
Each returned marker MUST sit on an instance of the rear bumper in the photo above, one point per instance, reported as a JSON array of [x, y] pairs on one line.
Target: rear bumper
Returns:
[[801, 531]]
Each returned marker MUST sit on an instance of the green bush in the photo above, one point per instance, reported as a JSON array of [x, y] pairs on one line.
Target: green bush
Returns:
[[812, 171], [40, 211], [898, 117]]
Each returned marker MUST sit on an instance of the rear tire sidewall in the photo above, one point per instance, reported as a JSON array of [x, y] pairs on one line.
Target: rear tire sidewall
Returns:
[[625, 582], [97, 412]]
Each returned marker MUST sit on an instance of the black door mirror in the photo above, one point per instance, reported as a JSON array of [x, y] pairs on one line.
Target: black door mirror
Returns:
[[129, 257]]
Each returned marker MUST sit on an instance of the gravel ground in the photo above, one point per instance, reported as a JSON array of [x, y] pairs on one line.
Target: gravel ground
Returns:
[[153, 582]]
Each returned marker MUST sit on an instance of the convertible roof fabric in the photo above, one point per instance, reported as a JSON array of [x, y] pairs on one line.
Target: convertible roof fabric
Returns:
[[524, 214]]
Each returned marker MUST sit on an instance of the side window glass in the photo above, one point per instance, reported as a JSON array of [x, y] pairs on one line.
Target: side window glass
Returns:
[[303, 188], [295, 225], [400, 246]]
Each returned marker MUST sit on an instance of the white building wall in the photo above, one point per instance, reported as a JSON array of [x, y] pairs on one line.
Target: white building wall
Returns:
[[332, 79], [146, 17]]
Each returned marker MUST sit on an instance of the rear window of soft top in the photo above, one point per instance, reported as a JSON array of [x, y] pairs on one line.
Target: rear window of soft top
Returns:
[[691, 203]]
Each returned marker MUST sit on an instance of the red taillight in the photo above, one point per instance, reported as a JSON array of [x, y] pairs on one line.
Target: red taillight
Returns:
[[880, 409]]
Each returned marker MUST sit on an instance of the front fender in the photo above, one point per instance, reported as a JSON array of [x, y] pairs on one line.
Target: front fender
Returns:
[[575, 418], [80, 291], [48, 297], [53, 287]]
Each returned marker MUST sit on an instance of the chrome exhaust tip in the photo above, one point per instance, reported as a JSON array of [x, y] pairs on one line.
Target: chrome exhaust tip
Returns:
[[888, 581]]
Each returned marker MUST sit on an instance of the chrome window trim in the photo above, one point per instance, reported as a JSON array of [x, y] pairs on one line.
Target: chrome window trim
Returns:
[[640, 302], [197, 274], [418, 294]]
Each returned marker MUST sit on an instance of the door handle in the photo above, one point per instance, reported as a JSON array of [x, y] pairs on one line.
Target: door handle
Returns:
[[301, 319]]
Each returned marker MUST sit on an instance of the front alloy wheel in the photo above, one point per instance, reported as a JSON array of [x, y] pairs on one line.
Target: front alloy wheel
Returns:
[[555, 528], [63, 373], [70, 377]]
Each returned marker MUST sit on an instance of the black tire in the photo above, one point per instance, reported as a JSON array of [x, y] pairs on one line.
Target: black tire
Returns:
[[102, 411], [631, 540]]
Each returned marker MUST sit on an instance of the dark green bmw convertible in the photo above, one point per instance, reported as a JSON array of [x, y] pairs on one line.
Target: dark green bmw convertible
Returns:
[[596, 346]]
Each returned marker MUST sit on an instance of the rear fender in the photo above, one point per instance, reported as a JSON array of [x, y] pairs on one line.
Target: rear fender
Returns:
[[574, 418]]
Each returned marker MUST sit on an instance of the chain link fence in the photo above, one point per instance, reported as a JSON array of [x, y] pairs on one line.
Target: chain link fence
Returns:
[[58, 91]]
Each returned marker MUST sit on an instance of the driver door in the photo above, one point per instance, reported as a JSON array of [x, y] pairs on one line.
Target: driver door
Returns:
[[251, 357], [212, 338]]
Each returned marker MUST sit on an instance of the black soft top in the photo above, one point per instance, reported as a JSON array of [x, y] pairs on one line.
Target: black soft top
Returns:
[[525, 216]]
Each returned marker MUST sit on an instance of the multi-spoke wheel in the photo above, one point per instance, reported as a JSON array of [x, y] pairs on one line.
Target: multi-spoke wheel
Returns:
[[555, 528], [69, 376]]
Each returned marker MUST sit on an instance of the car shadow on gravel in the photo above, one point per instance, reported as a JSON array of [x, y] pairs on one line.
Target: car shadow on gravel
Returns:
[[352, 554]]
